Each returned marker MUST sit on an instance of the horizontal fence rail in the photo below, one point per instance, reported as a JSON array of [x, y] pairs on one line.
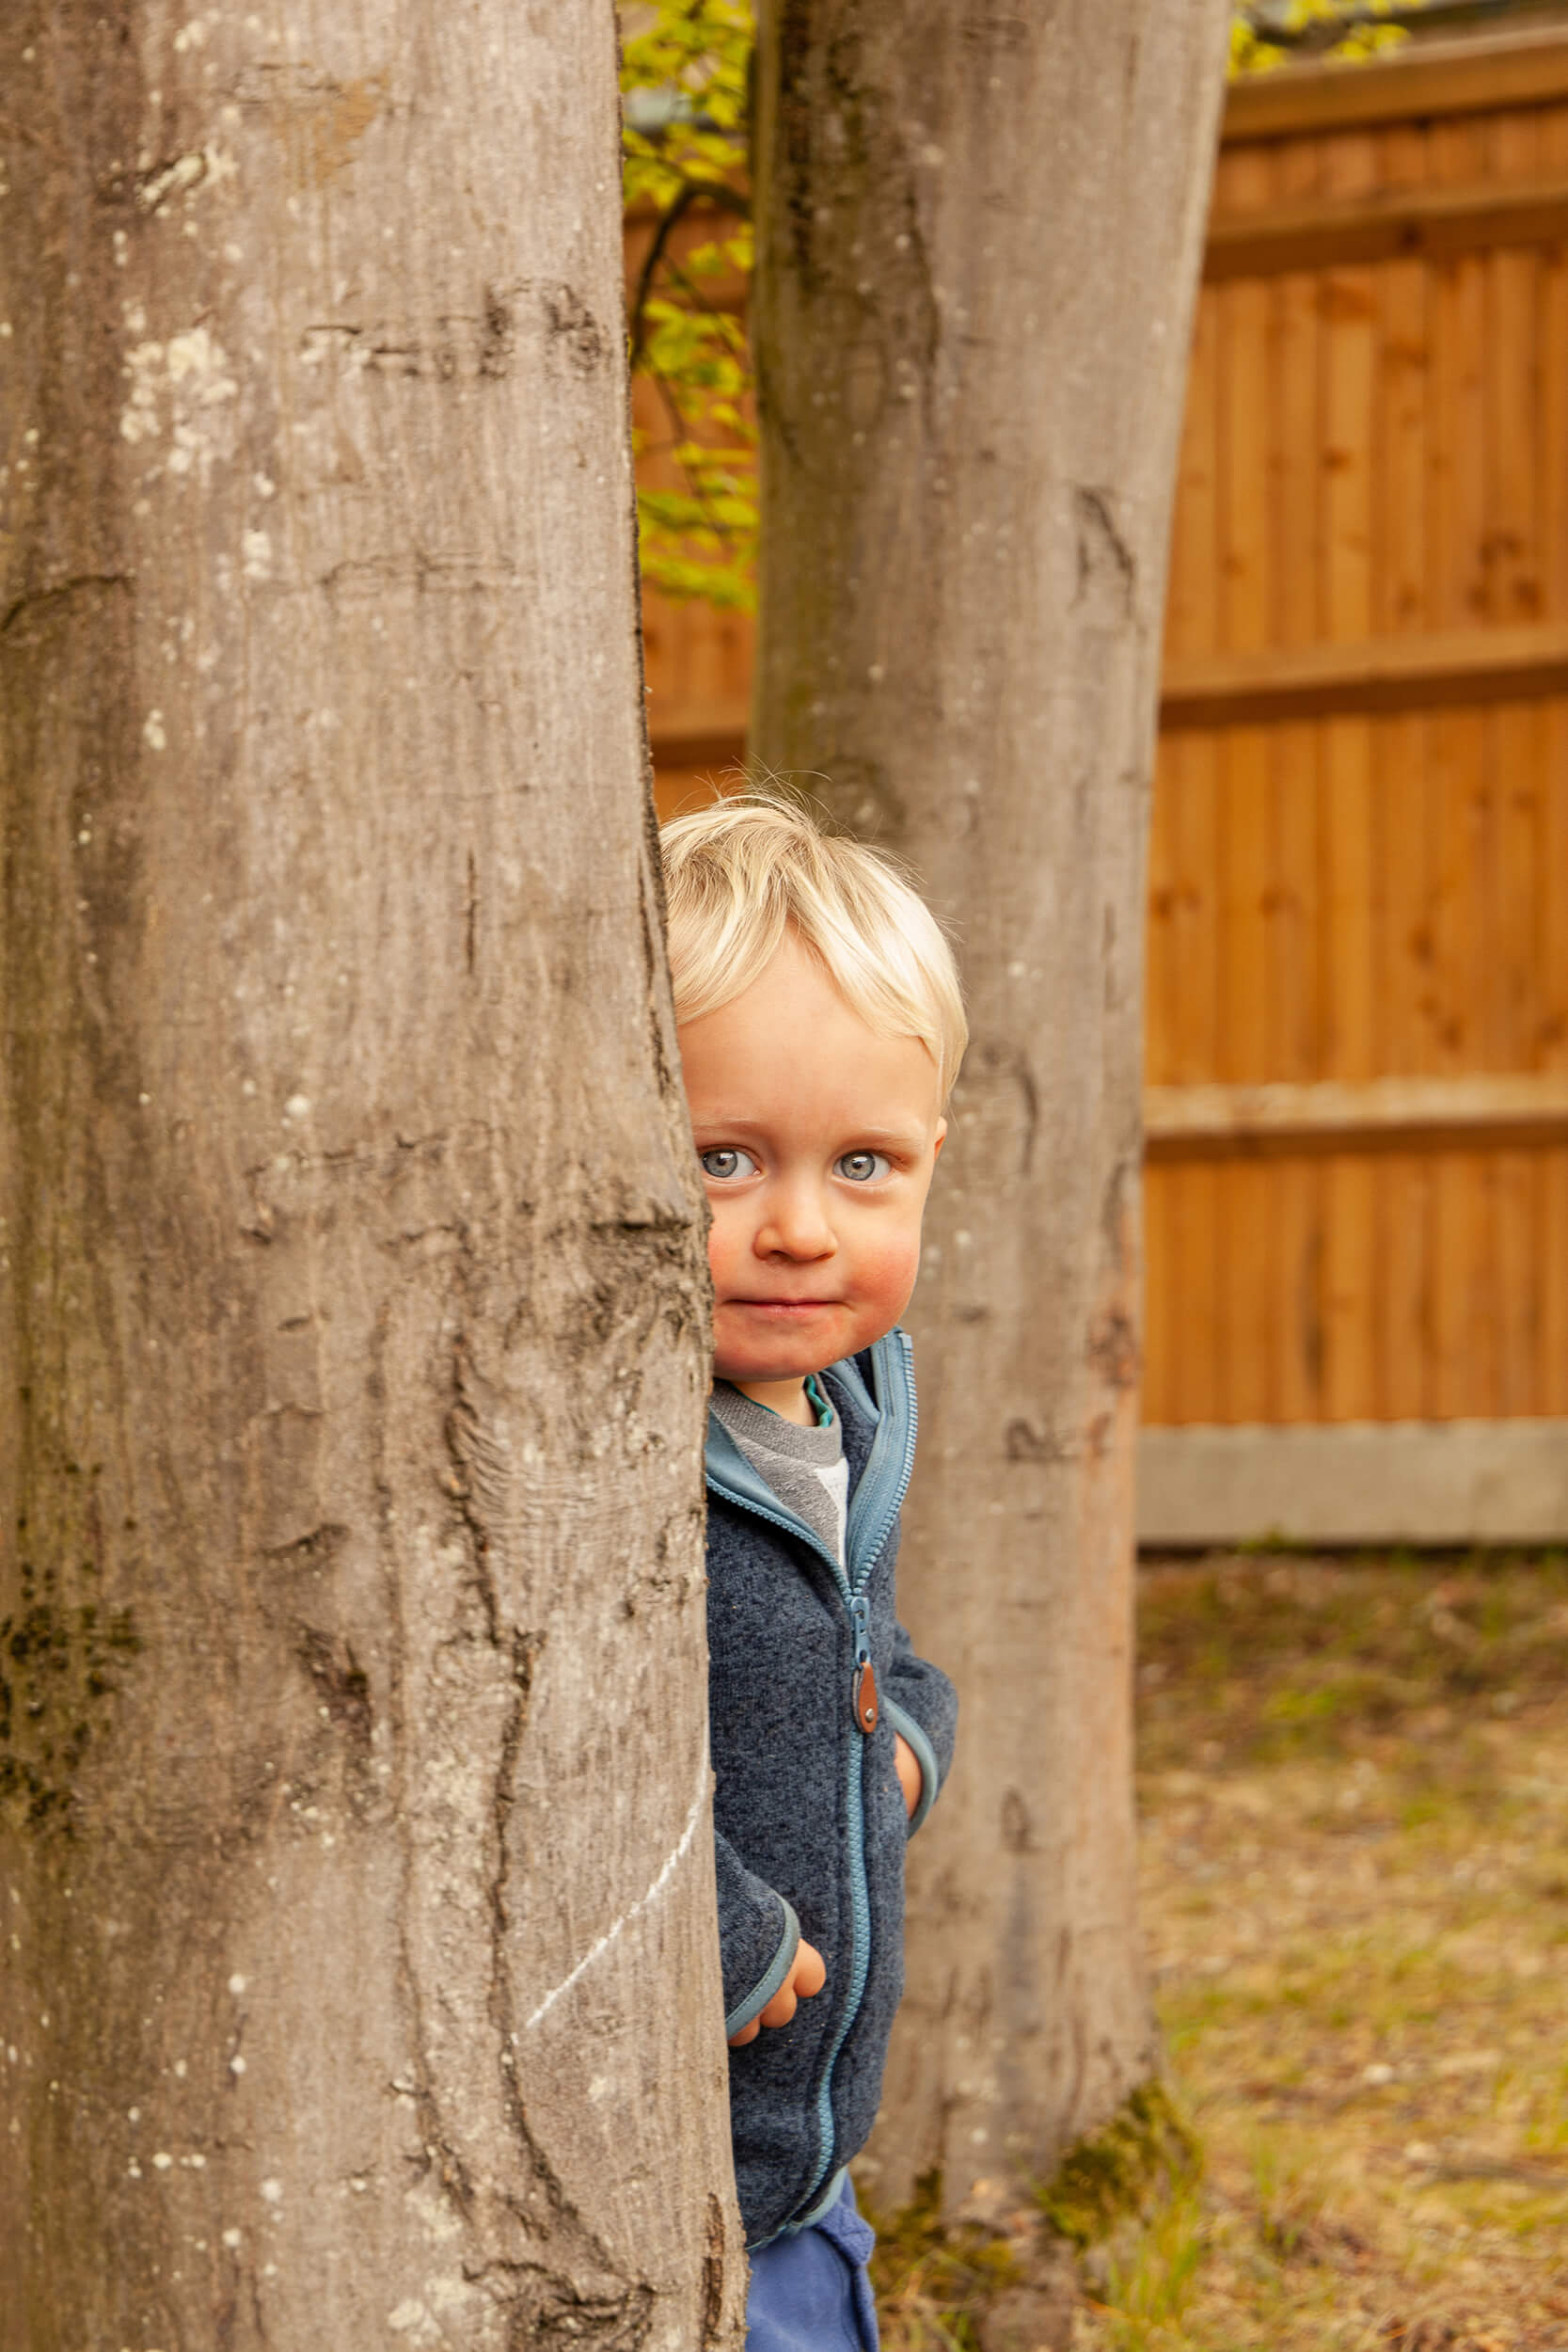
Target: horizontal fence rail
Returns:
[[1392, 224], [1441, 670], [1423, 85], [1381, 1114]]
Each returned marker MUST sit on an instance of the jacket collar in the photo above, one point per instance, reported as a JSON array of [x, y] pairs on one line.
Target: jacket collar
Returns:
[[874, 1392]]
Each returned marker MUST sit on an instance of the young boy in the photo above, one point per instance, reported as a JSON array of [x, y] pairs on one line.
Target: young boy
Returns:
[[821, 1026]]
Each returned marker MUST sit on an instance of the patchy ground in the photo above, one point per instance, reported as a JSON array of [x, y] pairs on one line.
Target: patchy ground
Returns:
[[1355, 1789]]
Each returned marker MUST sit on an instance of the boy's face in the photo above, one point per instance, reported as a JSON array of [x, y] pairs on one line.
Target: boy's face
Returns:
[[817, 1138]]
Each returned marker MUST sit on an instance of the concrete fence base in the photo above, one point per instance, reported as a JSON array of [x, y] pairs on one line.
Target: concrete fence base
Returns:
[[1437, 1483]]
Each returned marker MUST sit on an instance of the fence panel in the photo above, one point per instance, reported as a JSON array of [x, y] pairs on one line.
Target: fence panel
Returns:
[[1357, 1026]]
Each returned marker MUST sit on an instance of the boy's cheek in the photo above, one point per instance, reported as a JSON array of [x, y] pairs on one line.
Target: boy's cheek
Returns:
[[887, 1275], [724, 1244]]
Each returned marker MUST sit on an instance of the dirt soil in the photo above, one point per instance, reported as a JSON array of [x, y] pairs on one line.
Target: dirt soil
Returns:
[[1353, 1779]]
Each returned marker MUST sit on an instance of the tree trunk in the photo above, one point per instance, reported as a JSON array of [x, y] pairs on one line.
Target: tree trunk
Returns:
[[978, 241], [362, 1976]]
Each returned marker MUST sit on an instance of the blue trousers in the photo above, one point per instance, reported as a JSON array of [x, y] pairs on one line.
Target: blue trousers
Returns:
[[811, 2291]]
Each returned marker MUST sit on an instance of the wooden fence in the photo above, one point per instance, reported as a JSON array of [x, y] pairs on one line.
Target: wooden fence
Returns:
[[1357, 1026]]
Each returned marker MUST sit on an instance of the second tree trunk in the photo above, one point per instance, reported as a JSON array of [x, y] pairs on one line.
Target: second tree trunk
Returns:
[[978, 240]]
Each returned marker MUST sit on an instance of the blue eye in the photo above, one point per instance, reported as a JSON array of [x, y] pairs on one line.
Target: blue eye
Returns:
[[862, 1168], [725, 1164]]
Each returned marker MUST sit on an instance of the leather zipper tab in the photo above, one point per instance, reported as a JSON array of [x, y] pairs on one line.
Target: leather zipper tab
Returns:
[[867, 1712]]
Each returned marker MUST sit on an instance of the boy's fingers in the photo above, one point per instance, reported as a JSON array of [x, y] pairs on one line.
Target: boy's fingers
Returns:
[[808, 1974], [780, 2008], [910, 1777], [811, 1970]]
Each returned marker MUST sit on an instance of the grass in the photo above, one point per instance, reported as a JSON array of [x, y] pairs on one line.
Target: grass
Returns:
[[1353, 1778]]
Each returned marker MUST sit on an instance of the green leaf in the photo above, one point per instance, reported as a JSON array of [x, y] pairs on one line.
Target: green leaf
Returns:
[[1308, 29]]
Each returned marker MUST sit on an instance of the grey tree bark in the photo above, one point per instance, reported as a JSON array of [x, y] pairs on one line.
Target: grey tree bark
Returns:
[[361, 1975], [978, 239]]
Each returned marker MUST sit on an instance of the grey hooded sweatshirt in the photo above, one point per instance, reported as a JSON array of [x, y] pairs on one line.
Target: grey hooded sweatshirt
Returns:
[[810, 1818]]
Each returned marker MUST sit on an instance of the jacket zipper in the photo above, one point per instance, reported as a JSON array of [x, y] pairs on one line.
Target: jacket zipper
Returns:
[[859, 1900], [851, 1592]]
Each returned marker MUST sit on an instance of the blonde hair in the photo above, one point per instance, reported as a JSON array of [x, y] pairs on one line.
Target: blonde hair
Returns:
[[739, 874]]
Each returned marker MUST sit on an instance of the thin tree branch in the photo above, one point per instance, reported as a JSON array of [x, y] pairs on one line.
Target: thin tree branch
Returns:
[[728, 200], [694, 482]]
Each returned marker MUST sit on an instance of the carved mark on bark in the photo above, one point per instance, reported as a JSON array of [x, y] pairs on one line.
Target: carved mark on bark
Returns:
[[39, 602], [1024, 1442], [1113, 1347], [455, 347], [1107, 568], [544, 2307], [373, 575], [572, 324], [499, 339], [1017, 1828], [316, 1550], [342, 1684]]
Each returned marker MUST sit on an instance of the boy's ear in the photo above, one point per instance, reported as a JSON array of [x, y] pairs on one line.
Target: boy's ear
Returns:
[[941, 1137]]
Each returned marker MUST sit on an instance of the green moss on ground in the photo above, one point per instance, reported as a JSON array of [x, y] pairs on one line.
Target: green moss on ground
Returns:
[[935, 2279], [1128, 2171]]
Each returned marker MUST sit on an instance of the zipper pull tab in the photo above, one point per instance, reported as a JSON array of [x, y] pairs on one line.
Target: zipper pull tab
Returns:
[[864, 1690], [867, 1713]]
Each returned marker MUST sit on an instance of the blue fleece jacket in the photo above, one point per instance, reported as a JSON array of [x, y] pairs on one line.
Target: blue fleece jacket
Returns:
[[809, 1813]]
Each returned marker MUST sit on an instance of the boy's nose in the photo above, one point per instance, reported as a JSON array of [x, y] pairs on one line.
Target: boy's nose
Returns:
[[794, 1224]]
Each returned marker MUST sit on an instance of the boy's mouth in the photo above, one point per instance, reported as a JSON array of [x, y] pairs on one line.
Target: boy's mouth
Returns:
[[779, 1305]]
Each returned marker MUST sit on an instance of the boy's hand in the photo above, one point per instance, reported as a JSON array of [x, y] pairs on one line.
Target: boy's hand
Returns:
[[911, 1780], [808, 1974]]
